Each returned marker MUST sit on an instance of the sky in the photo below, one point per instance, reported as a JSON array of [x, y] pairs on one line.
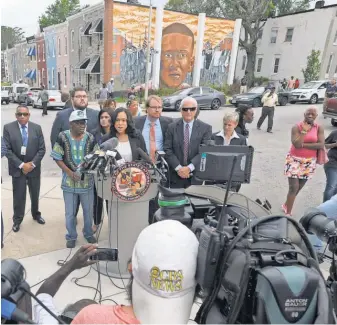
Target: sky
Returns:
[[25, 13]]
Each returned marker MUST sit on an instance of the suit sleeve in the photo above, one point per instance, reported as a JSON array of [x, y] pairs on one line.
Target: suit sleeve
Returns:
[[42, 148], [12, 157], [171, 158], [206, 137], [142, 144], [55, 130]]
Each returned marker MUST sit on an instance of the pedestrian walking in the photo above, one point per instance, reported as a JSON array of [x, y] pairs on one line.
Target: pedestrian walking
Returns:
[[269, 100], [244, 83], [103, 95], [44, 96], [26, 149]]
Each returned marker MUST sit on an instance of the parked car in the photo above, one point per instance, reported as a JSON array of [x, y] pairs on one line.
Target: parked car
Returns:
[[29, 96], [254, 97], [17, 90], [331, 110], [54, 100], [5, 96], [311, 92], [205, 96]]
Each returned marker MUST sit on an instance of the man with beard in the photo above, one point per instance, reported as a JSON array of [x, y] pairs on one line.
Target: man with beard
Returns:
[[176, 55], [80, 102], [69, 151]]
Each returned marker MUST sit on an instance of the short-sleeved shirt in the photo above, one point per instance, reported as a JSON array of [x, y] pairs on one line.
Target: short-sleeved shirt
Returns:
[[72, 153], [332, 153]]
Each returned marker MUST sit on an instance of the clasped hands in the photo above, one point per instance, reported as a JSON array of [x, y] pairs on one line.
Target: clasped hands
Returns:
[[184, 172], [27, 167]]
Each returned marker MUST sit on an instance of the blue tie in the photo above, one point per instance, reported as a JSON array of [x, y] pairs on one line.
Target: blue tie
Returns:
[[24, 135]]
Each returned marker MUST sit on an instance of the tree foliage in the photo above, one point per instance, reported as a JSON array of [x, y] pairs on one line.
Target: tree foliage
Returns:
[[58, 12], [311, 72], [10, 36], [253, 13]]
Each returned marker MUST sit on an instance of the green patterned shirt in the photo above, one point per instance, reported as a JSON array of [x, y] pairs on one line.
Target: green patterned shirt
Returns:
[[72, 153]]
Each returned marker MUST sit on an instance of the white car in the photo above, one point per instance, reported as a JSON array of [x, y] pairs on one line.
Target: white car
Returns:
[[311, 92], [54, 100]]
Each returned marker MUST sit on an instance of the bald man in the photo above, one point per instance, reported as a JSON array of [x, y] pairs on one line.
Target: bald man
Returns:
[[182, 142], [176, 55]]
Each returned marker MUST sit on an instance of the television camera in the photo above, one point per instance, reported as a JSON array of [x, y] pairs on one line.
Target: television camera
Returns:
[[253, 267]]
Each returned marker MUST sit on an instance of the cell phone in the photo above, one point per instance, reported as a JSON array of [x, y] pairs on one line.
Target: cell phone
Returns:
[[105, 254]]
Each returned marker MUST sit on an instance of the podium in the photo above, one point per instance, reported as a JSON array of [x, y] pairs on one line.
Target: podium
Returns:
[[127, 218]]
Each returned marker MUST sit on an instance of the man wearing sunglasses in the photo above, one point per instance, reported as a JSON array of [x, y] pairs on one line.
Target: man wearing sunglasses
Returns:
[[26, 148], [182, 142]]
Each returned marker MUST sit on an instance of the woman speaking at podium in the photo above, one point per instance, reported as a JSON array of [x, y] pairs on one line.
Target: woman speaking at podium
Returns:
[[122, 128]]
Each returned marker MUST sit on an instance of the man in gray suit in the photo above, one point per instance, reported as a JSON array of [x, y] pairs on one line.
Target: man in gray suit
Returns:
[[80, 101], [26, 148], [153, 126], [182, 142]]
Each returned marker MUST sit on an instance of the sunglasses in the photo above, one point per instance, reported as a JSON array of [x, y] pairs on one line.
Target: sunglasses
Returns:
[[186, 109], [21, 114]]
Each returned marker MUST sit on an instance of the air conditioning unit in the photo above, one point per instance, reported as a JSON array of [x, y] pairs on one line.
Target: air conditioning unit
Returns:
[[319, 4]]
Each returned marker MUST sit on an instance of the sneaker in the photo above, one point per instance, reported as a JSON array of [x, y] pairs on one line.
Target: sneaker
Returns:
[[71, 243], [269, 131], [91, 240]]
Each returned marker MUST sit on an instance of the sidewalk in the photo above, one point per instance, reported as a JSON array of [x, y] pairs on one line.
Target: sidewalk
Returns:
[[33, 238]]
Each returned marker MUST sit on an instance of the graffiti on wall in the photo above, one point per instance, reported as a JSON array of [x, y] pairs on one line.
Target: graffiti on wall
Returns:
[[178, 47]]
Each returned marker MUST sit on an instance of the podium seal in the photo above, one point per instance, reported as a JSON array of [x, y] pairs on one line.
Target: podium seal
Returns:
[[131, 181]]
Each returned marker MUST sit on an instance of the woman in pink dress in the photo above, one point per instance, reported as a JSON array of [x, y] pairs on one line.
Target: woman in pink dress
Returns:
[[307, 138]]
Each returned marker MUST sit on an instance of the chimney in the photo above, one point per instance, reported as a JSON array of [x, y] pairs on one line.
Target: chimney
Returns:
[[319, 4]]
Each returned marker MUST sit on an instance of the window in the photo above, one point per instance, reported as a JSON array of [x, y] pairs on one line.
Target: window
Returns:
[[65, 45], [101, 36], [38, 52], [259, 65], [52, 77], [195, 91], [59, 45], [43, 53], [244, 62], [276, 65], [52, 44], [273, 36], [72, 40], [259, 34], [65, 77], [289, 35], [90, 40], [98, 79], [335, 39], [80, 36], [114, 54], [114, 39], [329, 64]]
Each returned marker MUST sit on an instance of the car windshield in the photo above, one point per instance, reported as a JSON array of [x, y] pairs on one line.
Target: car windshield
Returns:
[[54, 92], [180, 92], [311, 85], [257, 90]]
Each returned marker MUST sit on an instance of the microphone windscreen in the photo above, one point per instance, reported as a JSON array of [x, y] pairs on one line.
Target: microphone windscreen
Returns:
[[144, 156], [109, 144]]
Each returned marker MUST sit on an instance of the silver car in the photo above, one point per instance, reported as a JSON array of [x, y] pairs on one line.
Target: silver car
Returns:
[[205, 96]]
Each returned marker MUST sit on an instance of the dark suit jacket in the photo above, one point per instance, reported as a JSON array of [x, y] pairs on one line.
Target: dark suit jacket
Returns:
[[174, 144], [61, 122], [136, 141], [35, 151], [164, 123], [241, 141]]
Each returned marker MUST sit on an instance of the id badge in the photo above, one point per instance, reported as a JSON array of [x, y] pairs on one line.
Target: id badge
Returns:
[[23, 150]]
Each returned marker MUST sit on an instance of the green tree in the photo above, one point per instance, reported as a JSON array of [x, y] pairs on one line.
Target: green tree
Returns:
[[58, 12], [252, 12], [284, 7], [10, 36], [311, 72]]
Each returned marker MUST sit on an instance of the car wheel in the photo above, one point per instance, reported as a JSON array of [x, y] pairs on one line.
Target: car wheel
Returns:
[[283, 101], [215, 104], [7, 102], [177, 105], [256, 102], [313, 99], [333, 122]]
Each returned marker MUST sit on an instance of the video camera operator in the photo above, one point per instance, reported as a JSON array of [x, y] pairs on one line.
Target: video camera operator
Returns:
[[162, 286]]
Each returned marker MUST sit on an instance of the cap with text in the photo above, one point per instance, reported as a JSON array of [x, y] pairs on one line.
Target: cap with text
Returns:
[[77, 115]]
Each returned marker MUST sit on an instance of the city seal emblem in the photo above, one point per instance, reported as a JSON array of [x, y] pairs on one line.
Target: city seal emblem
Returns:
[[131, 181]]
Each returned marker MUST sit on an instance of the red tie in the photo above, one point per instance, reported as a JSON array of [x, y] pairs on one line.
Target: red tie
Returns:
[[153, 142]]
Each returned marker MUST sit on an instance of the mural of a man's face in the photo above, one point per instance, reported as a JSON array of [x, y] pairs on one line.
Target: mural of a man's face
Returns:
[[176, 58]]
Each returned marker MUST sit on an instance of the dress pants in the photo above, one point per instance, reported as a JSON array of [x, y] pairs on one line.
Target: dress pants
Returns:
[[267, 111], [19, 196]]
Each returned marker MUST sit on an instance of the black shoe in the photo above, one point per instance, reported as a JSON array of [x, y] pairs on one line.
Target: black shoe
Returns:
[[91, 240], [269, 131], [16, 228], [259, 128], [39, 220], [71, 243]]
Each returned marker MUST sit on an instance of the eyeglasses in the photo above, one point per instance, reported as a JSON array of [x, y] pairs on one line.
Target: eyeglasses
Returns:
[[79, 97], [186, 109], [22, 114], [156, 107]]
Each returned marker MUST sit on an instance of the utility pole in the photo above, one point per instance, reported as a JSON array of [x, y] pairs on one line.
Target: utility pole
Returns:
[[148, 54]]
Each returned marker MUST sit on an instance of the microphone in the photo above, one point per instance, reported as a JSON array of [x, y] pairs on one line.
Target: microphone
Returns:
[[10, 312], [146, 157], [109, 144]]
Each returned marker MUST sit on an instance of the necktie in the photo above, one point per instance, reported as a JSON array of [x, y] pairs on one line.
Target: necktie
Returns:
[[24, 135], [186, 143], [153, 142]]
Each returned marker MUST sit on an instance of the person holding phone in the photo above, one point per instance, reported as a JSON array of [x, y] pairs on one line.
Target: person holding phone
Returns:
[[307, 137], [269, 101]]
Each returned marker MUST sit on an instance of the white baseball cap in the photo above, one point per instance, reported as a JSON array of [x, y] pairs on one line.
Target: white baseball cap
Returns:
[[164, 264], [77, 115]]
